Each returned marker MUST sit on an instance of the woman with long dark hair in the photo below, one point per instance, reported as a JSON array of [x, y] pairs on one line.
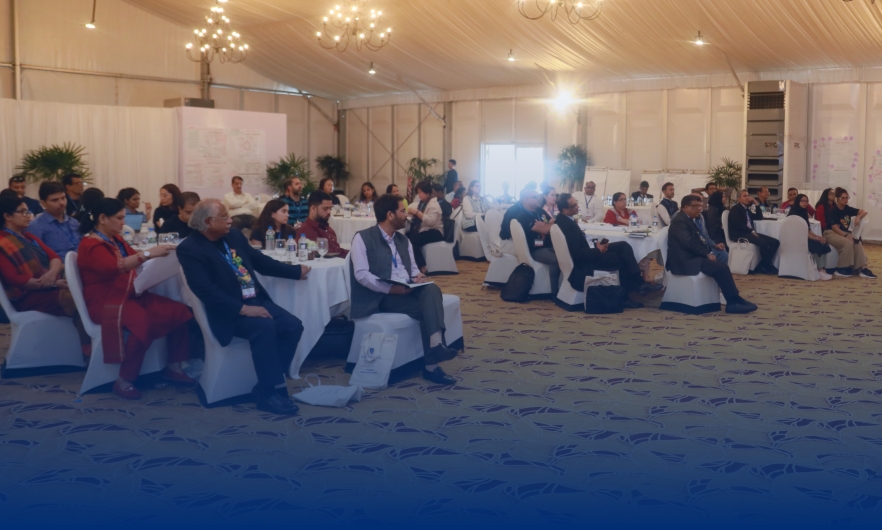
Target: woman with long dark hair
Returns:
[[107, 269], [88, 199], [619, 213], [367, 195], [817, 245], [274, 214], [169, 204], [327, 185], [131, 199], [825, 203]]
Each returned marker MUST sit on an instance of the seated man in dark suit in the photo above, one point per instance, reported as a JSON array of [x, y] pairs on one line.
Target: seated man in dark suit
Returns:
[[611, 257], [220, 266], [688, 255], [741, 226], [642, 194]]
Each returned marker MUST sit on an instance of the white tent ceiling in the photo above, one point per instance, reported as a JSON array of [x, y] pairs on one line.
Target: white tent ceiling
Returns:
[[446, 45]]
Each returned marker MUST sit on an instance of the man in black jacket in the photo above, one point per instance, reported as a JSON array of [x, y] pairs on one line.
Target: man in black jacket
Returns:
[[610, 257], [220, 266], [742, 217], [688, 255]]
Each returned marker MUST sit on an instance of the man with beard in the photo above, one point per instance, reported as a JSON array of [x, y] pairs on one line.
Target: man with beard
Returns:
[[316, 224]]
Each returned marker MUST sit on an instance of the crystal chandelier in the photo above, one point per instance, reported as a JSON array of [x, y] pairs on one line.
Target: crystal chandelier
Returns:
[[352, 21], [217, 39], [574, 11]]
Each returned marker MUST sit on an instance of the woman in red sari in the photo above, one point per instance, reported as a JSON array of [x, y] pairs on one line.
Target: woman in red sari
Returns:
[[107, 267], [618, 214]]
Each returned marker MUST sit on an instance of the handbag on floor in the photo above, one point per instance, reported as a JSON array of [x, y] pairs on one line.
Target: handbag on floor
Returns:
[[374, 361], [604, 299], [741, 255], [336, 339], [328, 395], [517, 288]]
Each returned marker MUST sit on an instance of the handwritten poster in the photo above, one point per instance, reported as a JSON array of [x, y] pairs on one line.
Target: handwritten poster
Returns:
[[213, 156], [874, 180], [835, 163]]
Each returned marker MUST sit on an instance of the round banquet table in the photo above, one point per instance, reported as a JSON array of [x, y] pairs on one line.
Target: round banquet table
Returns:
[[322, 296], [346, 228], [643, 246], [772, 228]]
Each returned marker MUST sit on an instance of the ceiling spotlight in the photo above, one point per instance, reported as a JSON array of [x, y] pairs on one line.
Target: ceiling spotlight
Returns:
[[91, 25], [698, 40], [511, 55], [371, 69]]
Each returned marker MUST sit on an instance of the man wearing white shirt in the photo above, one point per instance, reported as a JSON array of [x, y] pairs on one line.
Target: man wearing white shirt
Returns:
[[590, 206], [381, 255], [238, 203], [668, 206]]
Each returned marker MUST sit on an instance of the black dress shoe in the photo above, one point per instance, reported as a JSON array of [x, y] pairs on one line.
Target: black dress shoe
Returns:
[[630, 304], [276, 404], [650, 287], [439, 354], [741, 308], [438, 376]]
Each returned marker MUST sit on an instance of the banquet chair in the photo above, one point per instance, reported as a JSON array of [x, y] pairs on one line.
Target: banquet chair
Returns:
[[100, 373], [343, 199], [470, 246], [795, 260], [731, 244], [500, 267], [39, 340], [694, 295], [567, 297], [410, 344], [439, 256], [542, 281], [228, 371]]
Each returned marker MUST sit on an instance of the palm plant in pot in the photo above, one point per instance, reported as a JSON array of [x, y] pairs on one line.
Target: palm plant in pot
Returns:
[[333, 167], [571, 164], [727, 177], [54, 162], [418, 169], [278, 173]]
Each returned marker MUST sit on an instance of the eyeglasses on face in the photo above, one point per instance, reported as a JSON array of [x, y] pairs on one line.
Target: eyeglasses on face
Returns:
[[17, 179], [24, 212]]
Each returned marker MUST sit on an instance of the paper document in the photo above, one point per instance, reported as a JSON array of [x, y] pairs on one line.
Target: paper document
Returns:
[[157, 271], [405, 284]]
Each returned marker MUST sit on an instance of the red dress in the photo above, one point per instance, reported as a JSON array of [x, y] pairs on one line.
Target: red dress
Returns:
[[611, 217], [112, 302]]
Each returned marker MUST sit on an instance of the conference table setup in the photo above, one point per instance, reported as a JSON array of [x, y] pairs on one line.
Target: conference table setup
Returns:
[[644, 240], [347, 227]]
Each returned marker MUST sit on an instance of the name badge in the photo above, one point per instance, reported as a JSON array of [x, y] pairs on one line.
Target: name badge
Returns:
[[249, 292]]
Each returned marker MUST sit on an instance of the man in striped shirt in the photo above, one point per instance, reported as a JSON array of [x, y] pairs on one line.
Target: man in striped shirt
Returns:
[[298, 208]]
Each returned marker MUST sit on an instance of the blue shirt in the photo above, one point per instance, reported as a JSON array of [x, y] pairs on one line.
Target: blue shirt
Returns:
[[297, 211], [62, 237]]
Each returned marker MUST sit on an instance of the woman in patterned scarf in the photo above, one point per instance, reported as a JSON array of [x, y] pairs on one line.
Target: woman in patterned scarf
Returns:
[[107, 267]]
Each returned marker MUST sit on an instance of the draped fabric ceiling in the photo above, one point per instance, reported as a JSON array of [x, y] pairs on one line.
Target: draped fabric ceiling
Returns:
[[449, 45]]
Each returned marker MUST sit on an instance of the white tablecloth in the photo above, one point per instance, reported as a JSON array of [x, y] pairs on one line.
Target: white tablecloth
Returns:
[[347, 228], [322, 296], [772, 228], [642, 246]]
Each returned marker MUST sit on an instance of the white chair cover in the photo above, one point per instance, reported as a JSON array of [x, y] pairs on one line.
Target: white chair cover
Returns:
[[500, 267], [542, 282], [470, 246], [793, 253], [567, 296], [439, 256], [228, 371], [40, 339], [498, 247], [731, 244], [687, 294], [100, 373]]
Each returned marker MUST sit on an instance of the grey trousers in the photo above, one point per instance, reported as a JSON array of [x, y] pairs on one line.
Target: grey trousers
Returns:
[[424, 304], [548, 257]]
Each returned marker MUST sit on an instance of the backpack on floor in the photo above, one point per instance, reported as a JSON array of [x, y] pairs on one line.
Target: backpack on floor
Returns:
[[604, 299], [517, 288]]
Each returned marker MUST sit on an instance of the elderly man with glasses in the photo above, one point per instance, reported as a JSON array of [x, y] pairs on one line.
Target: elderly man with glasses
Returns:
[[591, 207], [220, 268]]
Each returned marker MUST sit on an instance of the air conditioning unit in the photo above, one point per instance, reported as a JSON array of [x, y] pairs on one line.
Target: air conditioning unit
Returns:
[[189, 102], [776, 129]]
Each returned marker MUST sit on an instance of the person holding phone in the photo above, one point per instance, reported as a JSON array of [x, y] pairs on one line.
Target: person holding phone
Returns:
[[605, 256]]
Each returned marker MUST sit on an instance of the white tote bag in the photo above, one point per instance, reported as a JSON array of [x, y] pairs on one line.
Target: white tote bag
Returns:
[[741, 256], [374, 361], [328, 396]]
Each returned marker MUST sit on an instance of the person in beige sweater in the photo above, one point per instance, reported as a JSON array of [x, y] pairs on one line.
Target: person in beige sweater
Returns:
[[427, 223]]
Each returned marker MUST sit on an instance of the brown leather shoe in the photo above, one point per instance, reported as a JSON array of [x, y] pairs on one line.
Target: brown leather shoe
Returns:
[[178, 378], [129, 392]]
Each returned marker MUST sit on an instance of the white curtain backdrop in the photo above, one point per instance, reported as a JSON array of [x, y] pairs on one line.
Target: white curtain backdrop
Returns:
[[125, 146]]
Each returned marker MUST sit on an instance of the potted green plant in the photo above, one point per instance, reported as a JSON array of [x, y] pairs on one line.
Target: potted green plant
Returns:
[[54, 162], [571, 164], [278, 173], [727, 177], [333, 167], [418, 169]]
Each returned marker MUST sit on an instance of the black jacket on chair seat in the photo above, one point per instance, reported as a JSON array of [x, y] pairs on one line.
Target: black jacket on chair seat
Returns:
[[686, 251], [738, 221]]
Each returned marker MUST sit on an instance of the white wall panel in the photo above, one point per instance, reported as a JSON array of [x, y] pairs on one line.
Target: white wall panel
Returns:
[[380, 142], [227, 98], [872, 174], [605, 127], [6, 46], [357, 147], [561, 133], [727, 127], [432, 139], [645, 130], [294, 107], [688, 127], [258, 101], [466, 148], [7, 83], [530, 121], [498, 121], [68, 88], [322, 136], [836, 114], [407, 139]]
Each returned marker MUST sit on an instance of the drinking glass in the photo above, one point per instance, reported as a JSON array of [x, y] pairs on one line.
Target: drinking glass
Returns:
[[173, 238], [281, 250], [322, 243], [163, 239]]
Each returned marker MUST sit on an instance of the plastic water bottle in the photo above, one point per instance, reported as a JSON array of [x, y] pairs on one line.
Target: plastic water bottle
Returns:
[[303, 253], [270, 239], [127, 235], [634, 220], [655, 222], [370, 210], [151, 236], [292, 247]]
